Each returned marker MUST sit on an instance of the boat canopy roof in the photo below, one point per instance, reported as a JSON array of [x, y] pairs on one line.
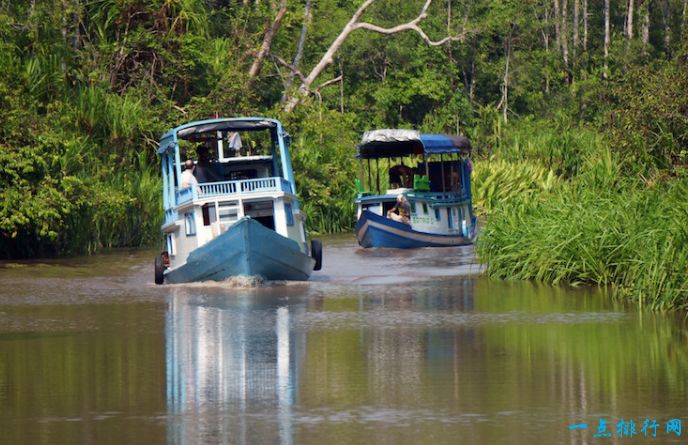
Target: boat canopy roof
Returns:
[[391, 143], [194, 130]]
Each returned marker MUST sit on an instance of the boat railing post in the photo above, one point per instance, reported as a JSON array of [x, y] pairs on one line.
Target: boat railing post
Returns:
[[178, 169], [444, 187], [171, 195], [163, 168], [377, 174], [452, 185], [361, 175], [285, 157]]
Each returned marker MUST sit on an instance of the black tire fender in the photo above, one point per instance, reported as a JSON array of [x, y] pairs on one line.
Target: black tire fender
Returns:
[[316, 253], [159, 269]]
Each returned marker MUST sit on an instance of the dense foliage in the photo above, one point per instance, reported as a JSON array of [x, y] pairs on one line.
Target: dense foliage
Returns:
[[553, 99]]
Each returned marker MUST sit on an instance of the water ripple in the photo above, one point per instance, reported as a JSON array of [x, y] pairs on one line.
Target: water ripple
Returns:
[[386, 319]]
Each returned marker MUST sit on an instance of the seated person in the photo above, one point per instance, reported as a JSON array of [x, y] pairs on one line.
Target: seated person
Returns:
[[401, 176], [402, 209], [188, 179], [204, 169]]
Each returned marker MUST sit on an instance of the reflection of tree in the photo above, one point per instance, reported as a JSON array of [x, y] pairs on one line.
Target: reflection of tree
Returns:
[[227, 359], [472, 351], [385, 362], [82, 362]]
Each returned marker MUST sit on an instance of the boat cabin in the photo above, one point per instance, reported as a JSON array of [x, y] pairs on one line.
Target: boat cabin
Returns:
[[431, 171], [218, 171]]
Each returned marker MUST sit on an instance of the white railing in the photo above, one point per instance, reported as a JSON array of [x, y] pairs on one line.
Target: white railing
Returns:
[[217, 188], [233, 187], [262, 184]]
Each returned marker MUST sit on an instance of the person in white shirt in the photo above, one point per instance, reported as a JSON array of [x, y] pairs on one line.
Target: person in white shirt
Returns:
[[188, 179]]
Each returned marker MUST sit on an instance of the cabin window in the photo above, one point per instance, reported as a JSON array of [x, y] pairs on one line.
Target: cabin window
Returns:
[[437, 214], [261, 211], [169, 244], [189, 224], [375, 208], [425, 208], [209, 214], [290, 214], [450, 223], [228, 211]]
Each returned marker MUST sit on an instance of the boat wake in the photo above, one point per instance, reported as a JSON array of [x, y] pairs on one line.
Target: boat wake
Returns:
[[236, 282]]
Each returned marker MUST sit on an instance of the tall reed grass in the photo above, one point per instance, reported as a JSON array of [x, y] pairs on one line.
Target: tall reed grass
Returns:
[[496, 181], [629, 237]]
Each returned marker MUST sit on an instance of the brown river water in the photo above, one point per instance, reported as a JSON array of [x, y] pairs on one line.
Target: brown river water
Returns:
[[380, 347]]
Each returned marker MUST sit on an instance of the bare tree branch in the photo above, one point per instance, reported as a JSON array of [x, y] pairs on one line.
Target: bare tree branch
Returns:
[[289, 66], [299, 51], [410, 27], [267, 43], [354, 24], [328, 83]]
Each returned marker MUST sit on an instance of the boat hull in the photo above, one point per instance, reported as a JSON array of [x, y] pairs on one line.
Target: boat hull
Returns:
[[247, 248], [373, 230]]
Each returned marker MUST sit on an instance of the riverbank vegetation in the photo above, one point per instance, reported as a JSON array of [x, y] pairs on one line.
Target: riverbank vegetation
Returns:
[[577, 110]]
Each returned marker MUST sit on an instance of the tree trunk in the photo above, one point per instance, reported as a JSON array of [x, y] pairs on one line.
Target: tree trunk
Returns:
[[267, 43], [299, 50], [545, 38], [645, 31], [666, 18], [576, 23], [545, 32], [557, 25], [585, 25], [471, 89], [504, 102], [629, 22], [607, 39], [469, 79], [565, 38]]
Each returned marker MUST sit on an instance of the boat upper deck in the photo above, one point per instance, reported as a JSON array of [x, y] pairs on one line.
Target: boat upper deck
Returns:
[[234, 158]]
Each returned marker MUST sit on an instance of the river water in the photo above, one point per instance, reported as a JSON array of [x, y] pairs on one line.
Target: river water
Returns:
[[380, 347]]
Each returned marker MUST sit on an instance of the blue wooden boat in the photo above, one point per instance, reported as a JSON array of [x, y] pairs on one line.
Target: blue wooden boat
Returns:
[[230, 204], [430, 173]]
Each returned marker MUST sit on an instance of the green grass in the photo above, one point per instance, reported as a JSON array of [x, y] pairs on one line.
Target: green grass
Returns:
[[630, 237], [495, 181]]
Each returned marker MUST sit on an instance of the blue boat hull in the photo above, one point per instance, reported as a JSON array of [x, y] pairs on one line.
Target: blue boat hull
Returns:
[[373, 230], [247, 248]]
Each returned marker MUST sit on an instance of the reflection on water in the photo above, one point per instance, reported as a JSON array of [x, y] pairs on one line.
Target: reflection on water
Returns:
[[394, 348], [227, 359]]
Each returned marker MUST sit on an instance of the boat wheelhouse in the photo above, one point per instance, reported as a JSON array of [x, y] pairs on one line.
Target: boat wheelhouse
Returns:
[[431, 172], [230, 204]]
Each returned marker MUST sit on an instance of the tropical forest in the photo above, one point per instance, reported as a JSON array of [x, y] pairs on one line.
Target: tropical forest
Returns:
[[577, 112]]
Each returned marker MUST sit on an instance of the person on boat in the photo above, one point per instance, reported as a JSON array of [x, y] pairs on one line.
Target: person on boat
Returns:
[[402, 209], [401, 176], [204, 170], [188, 179]]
